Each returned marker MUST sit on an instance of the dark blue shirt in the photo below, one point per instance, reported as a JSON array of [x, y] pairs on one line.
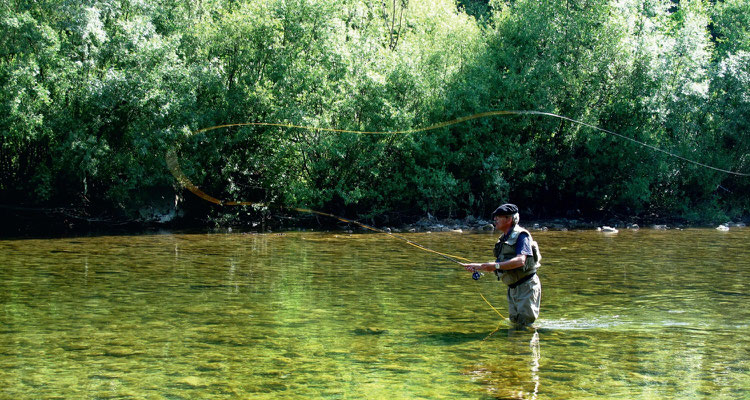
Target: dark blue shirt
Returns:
[[523, 245]]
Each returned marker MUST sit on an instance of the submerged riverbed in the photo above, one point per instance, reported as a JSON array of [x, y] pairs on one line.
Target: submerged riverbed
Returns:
[[640, 314]]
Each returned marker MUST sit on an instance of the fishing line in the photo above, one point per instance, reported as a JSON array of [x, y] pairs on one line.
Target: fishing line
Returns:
[[174, 167], [472, 117]]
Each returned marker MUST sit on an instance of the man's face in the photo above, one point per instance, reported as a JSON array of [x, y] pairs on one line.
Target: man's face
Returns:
[[502, 222]]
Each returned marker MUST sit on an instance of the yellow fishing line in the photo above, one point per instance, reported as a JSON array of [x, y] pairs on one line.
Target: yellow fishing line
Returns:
[[490, 304], [406, 131], [174, 167], [469, 118]]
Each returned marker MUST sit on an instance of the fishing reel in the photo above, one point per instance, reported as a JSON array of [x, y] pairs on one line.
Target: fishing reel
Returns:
[[476, 275]]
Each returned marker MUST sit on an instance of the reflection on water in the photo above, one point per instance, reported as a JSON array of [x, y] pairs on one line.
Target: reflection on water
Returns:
[[646, 314], [518, 380]]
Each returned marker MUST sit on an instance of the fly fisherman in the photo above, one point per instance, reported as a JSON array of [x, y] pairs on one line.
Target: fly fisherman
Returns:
[[516, 262]]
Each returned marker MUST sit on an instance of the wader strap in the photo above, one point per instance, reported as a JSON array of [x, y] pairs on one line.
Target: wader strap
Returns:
[[522, 280]]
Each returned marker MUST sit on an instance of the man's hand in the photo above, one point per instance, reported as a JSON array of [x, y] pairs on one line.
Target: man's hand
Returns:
[[477, 267]]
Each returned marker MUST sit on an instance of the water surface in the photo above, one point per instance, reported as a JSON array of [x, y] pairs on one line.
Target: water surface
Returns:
[[640, 314]]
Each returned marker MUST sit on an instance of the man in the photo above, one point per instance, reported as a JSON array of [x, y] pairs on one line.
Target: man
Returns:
[[516, 265]]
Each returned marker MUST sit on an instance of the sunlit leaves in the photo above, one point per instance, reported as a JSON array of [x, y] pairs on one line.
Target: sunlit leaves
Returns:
[[94, 92]]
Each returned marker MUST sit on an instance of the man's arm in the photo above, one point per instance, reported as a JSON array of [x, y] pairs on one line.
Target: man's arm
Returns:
[[523, 249], [515, 262], [518, 261]]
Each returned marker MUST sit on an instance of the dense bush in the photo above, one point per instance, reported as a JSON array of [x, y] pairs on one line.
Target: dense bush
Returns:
[[94, 93]]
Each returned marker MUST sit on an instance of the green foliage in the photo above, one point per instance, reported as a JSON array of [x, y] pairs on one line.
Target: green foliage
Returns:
[[731, 23], [27, 63], [94, 93]]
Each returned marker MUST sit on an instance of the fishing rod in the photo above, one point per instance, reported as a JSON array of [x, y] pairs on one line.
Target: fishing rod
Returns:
[[452, 258]]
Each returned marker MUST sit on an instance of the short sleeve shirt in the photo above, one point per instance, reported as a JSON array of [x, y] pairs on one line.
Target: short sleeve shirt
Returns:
[[523, 245]]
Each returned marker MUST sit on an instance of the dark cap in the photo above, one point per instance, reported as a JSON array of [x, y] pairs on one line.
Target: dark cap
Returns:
[[505, 209]]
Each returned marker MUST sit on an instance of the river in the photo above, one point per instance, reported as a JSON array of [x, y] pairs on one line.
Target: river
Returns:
[[642, 314]]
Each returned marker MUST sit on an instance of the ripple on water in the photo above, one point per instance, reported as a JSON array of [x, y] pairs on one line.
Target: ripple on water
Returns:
[[580, 324]]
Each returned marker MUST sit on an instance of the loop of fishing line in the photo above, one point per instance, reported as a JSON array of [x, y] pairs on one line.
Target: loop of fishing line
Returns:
[[469, 118], [174, 167]]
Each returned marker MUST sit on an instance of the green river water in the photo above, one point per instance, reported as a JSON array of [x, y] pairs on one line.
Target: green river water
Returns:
[[635, 315]]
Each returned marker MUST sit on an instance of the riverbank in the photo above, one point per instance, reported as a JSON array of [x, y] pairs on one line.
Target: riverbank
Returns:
[[46, 222], [472, 224]]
